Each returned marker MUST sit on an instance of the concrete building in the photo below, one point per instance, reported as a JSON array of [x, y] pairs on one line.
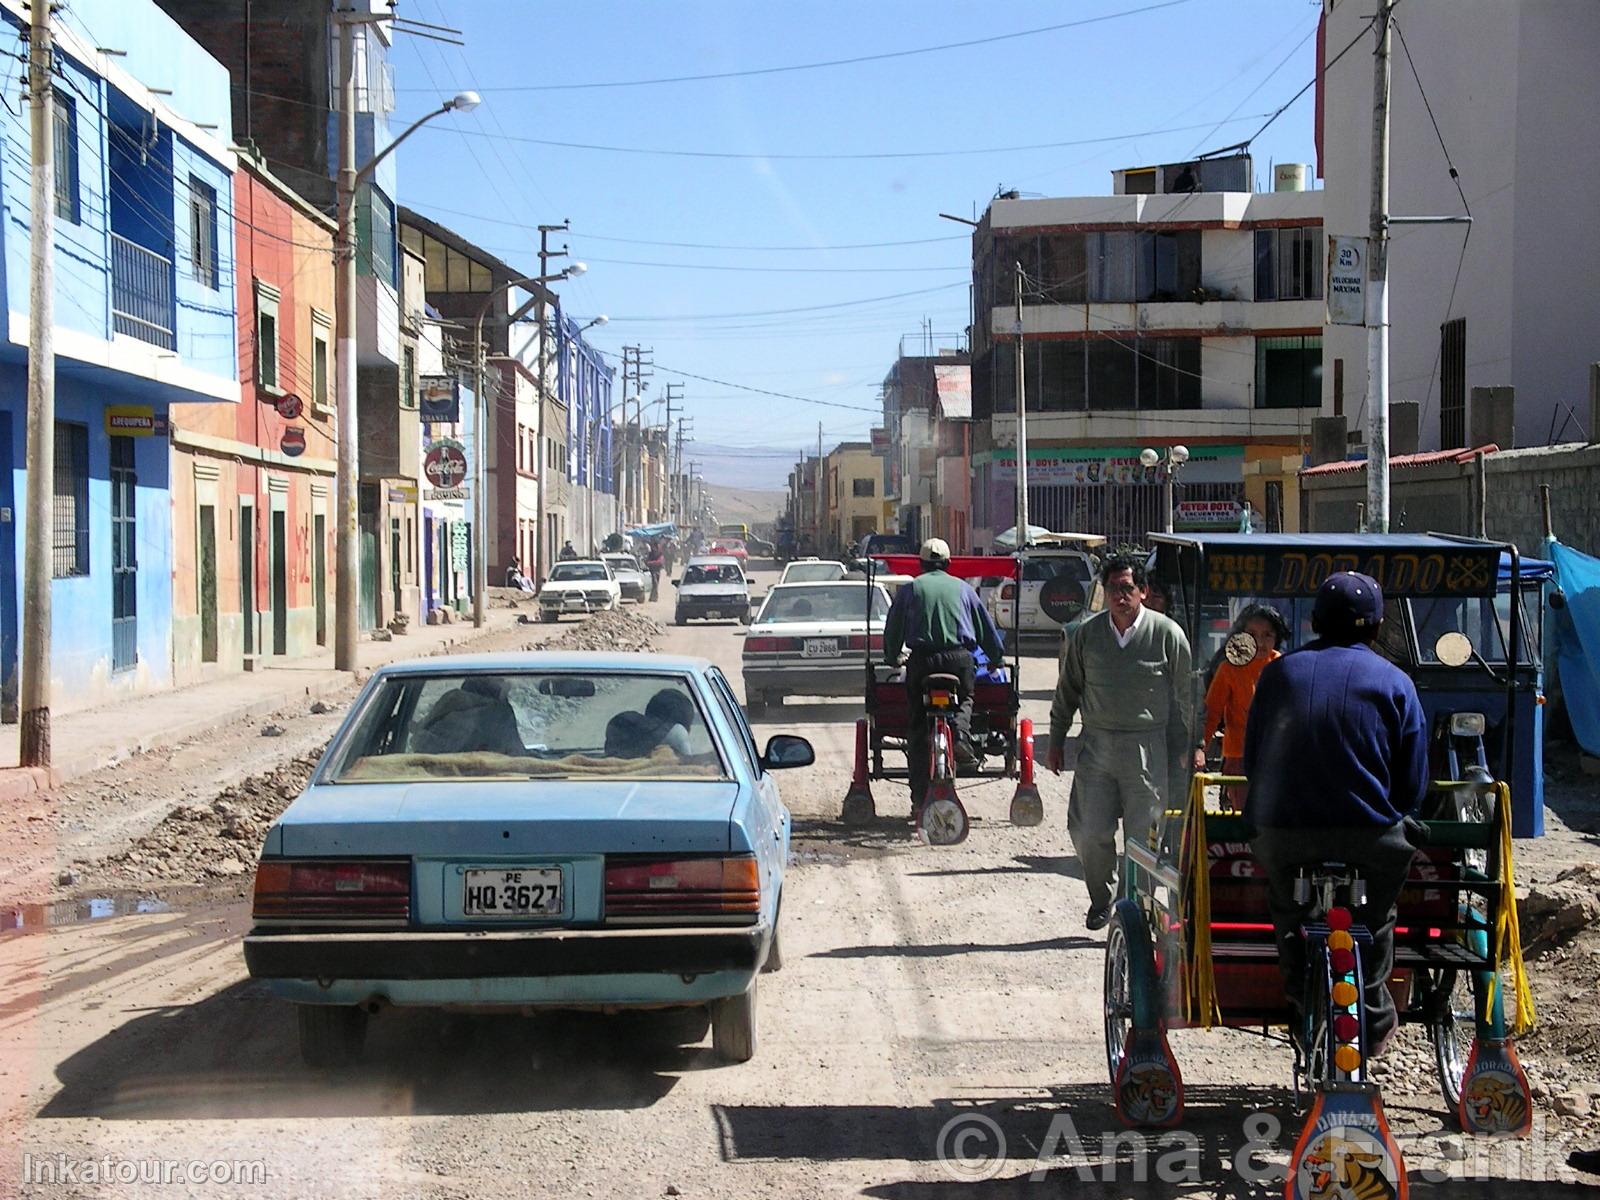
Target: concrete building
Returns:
[[144, 312], [1150, 318], [584, 382], [1505, 85], [447, 410], [852, 495], [911, 435], [253, 481]]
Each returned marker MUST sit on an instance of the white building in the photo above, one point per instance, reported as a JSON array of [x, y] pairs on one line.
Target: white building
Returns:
[[1149, 320], [1510, 84]]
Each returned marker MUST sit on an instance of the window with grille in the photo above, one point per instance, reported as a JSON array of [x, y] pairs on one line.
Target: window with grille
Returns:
[[1453, 383], [1289, 263], [70, 504], [862, 487], [266, 335], [203, 231], [1289, 372], [65, 129]]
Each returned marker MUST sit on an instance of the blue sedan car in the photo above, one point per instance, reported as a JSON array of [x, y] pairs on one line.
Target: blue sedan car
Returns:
[[525, 830]]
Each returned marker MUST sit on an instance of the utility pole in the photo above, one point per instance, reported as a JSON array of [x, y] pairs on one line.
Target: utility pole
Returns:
[[1378, 286], [347, 544], [820, 473], [41, 452], [1022, 427], [674, 461], [541, 551]]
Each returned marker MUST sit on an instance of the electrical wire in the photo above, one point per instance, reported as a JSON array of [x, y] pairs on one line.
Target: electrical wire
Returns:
[[767, 392], [837, 62]]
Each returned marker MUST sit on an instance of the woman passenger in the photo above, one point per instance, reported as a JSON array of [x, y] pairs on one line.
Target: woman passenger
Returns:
[[1232, 689]]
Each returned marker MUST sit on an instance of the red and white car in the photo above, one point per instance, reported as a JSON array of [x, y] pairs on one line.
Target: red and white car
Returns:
[[730, 546]]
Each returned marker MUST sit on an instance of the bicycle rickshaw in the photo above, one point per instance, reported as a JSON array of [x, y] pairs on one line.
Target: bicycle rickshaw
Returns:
[[997, 732], [1190, 946]]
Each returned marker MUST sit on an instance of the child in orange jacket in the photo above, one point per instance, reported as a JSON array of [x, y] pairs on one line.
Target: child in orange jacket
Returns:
[[1232, 689]]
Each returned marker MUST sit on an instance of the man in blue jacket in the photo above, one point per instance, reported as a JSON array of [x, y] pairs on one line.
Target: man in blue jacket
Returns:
[[1336, 750]]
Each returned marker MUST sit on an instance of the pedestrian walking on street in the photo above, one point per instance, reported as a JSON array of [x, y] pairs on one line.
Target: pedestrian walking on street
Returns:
[[1336, 750], [1126, 671], [941, 620], [655, 563]]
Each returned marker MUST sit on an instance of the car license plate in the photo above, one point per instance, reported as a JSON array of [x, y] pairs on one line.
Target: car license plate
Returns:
[[512, 892], [820, 648]]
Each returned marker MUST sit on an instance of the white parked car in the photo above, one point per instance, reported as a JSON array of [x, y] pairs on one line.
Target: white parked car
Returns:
[[712, 586], [633, 579], [812, 639], [813, 570], [582, 585]]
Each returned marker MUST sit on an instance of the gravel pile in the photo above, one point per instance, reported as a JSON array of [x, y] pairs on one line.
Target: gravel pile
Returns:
[[197, 842], [1554, 913], [622, 631]]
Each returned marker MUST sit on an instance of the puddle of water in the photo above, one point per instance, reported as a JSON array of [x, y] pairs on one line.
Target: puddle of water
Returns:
[[30, 918]]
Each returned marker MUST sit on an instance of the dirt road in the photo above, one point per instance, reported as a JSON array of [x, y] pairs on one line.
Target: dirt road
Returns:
[[922, 987]]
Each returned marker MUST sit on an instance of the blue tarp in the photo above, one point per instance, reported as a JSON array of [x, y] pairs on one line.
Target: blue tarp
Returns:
[[665, 529], [1574, 631], [1529, 570]]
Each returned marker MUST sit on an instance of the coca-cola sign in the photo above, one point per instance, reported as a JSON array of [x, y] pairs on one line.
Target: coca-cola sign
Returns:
[[445, 464]]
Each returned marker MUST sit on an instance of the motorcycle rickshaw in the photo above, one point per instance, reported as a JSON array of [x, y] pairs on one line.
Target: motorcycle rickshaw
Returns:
[[997, 733], [1190, 944]]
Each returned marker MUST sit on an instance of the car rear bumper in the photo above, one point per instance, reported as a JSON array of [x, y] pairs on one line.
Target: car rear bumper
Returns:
[[492, 954], [587, 605], [839, 679]]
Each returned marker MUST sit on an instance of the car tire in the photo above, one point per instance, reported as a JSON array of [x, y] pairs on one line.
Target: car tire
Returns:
[[678, 618], [733, 1026], [331, 1035], [775, 946], [755, 703]]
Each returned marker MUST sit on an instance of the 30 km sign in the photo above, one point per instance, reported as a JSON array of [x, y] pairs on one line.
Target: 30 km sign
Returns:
[[445, 464]]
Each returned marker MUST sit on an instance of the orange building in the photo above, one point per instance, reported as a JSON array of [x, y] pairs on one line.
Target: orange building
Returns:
[[253, 492]]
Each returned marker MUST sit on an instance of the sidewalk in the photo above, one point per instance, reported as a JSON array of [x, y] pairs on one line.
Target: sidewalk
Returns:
[[92, 739]]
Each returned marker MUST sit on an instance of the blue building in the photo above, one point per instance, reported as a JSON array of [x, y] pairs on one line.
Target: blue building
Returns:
[[145, 319], [584, 387]]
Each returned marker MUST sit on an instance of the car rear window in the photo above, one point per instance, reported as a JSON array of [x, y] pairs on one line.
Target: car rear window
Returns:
[[842, 602], [713, 574], [527, 725], [622, 562], [817, 572], [577, 572]]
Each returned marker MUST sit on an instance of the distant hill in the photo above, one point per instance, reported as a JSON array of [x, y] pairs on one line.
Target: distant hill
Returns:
[[753, 506]]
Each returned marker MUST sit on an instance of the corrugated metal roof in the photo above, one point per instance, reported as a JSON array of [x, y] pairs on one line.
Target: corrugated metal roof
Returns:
[[1404, 460]]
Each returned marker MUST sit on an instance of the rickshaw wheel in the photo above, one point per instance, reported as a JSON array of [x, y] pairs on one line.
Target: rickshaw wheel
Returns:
[[1130, 980], [942, 821], [1450, 1007]]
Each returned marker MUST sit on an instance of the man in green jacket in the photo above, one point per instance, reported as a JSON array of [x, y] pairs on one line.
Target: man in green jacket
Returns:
[[1125, 671], [940, 619]]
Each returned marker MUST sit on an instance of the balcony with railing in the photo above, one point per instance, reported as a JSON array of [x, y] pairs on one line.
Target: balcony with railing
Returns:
[[141, 293]]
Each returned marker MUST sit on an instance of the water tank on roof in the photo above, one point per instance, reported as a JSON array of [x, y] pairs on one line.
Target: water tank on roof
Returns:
[[1289, 177]]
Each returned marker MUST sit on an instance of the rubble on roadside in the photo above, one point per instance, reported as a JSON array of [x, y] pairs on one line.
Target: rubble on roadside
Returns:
[[621, 631], [199, 842], [1554, 913]]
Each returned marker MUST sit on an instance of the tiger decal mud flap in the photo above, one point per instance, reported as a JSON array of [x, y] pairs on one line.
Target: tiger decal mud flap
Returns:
[[1346, 1150], [1149, 1087], [1494, 1091], [941, 821]]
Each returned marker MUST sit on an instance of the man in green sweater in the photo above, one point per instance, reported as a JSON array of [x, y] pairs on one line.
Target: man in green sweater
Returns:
[[940, 620], [1125, 671]]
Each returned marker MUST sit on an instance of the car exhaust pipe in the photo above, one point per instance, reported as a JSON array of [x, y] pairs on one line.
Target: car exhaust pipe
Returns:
[[858, 804], [1027, 806]]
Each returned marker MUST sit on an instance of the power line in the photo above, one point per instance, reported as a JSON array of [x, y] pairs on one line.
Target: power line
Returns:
[[836, 62], [778, 312], [873, 155], [765, 392]]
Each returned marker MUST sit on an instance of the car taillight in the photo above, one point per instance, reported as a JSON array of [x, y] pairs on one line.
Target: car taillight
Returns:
[[316, 888], [1009, 592], [770, 645], [875, 642], [682, 887]]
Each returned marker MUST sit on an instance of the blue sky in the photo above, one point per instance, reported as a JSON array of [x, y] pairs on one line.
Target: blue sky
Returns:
[[1165, 83]]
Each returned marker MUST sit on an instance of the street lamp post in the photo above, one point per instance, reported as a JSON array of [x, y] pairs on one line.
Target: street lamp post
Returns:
[[1171, 462], [480, 477], [347, 560]]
